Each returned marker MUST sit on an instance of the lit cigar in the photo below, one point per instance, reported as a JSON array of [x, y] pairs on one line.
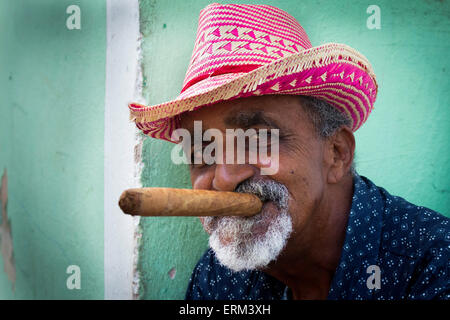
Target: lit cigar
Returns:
[[187, 202]]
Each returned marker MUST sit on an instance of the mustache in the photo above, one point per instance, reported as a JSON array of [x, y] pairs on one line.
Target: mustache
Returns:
[[266, 190]]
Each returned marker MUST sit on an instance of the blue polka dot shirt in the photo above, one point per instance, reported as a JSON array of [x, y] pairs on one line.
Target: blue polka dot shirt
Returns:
[[392, 250]]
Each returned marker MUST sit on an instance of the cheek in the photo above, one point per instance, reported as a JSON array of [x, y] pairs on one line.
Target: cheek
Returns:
[[304, 181]]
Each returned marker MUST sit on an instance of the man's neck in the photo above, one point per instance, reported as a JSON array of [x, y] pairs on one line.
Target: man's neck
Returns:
[[309, 261]]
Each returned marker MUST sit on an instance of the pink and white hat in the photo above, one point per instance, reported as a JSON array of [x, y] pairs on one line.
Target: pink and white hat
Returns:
[[252, 50]]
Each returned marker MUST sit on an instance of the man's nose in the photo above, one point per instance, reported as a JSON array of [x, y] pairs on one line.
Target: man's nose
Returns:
[[228, 176]]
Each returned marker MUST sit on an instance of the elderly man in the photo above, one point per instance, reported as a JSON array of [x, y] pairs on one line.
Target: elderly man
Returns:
[[324, 232]]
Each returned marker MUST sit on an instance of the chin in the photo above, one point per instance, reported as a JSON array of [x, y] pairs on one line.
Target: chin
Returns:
[[238, 248]]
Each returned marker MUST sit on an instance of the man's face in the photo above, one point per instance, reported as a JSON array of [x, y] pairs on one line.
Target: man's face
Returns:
[[290, 196]]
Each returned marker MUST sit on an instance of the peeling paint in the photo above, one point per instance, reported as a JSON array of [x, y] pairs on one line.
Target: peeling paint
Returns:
[[138, 165], [172, 272], [5, 234], [136, 275], [136, 220]]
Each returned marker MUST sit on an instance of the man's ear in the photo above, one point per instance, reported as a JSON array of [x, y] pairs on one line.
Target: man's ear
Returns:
[[339, 154]]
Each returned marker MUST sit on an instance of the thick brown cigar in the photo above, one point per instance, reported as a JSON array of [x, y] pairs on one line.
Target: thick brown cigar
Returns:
[[188, 202]]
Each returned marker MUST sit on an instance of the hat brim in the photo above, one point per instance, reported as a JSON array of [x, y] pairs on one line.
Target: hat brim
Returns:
[[333, 72]]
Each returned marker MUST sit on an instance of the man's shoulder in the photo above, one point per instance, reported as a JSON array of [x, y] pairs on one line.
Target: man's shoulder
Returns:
[[411, 230], [415, 248]]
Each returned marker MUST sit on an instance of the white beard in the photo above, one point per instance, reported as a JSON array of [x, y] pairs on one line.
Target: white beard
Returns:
[[249, 254], [246, 251]]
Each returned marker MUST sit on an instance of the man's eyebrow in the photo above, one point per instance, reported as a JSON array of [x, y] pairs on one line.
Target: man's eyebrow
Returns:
[[243, 119]]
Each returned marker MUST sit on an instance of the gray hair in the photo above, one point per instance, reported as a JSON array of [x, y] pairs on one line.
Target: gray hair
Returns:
[[326, 119]]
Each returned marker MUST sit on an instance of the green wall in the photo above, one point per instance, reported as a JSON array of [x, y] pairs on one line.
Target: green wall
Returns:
[[403, 147], [52, 83]]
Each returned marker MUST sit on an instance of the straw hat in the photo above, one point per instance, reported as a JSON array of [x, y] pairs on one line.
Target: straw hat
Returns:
[[253, 50]]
